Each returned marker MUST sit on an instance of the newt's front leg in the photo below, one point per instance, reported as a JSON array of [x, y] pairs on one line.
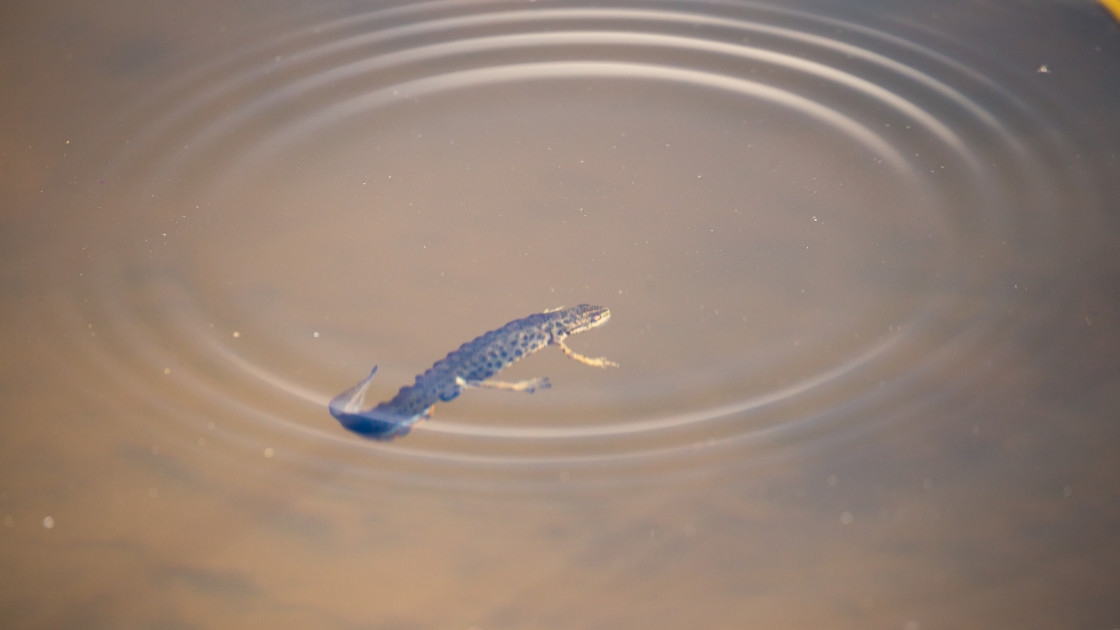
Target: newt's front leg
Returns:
[[602, 362]]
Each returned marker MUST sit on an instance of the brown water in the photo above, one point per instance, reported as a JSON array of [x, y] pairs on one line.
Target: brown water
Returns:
[[862, 270]]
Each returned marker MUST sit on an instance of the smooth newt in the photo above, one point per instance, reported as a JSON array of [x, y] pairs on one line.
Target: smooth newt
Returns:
[[470, 366]]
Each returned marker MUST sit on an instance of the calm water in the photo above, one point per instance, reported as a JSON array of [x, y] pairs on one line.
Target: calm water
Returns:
[[862, 268]]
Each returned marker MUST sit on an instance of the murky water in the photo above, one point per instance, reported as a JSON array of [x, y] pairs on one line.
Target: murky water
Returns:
[[861, 265]]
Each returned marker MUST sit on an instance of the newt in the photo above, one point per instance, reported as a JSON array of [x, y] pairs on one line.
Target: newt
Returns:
[[470, 366]]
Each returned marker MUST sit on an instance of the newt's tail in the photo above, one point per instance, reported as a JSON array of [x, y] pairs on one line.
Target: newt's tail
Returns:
[[373, 423], [376, 425]]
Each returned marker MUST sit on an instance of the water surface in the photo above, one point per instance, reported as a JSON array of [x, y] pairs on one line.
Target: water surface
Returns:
[[861, 268]]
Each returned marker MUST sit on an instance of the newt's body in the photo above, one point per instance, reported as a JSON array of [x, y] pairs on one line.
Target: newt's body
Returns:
[[469, 366]]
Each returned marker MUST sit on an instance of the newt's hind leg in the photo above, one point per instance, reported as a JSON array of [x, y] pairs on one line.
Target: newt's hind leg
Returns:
[[602, 362], [528, 386]]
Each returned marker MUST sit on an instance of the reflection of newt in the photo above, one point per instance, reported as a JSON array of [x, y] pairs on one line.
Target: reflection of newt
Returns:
[[469, 366]]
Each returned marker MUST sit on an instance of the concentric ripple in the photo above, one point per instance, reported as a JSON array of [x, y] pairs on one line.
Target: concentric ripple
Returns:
[[806, 229]]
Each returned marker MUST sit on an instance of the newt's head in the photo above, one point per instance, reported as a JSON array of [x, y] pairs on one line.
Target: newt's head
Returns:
[[583, 317]]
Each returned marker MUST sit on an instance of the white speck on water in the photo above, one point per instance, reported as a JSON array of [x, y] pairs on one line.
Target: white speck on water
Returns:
[[48, 522]]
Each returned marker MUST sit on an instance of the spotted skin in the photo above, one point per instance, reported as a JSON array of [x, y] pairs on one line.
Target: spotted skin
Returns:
[[470, 366]]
